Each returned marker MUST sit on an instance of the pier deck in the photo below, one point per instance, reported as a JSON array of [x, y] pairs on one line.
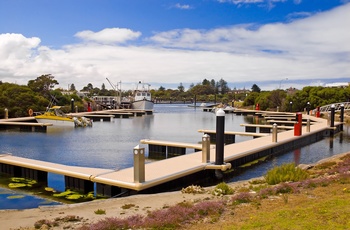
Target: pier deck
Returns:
[[159, 172]]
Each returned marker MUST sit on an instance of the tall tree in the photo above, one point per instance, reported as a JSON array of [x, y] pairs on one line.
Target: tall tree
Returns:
[[72, 87], [255, 88], [43, 84], [181, 88]]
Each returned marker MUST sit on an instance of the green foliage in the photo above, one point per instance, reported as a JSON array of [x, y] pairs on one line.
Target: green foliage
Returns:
[[19, 99], [193, 189], [222, 189], [43, 84], [100, 212], [285, 173]]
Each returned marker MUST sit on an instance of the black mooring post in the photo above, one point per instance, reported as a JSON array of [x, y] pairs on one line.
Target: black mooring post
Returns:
[[72, 105], [341, 116], [332, 115], [220, 137]]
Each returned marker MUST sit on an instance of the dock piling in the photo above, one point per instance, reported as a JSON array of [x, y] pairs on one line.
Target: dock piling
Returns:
[[332, 115], [274, 132], [6, 113], [341, 116], [220, 137], [139, 164], [308, 125], [205, 148]]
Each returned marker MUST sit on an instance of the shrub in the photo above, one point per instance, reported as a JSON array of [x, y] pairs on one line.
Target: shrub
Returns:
[[285, 173], [100, 212], [193, 189], [243, 197], [222, 189]]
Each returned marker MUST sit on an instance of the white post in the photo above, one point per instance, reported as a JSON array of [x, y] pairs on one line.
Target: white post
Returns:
[[308, 125], [205, 148], [139, 164], [274, 132]]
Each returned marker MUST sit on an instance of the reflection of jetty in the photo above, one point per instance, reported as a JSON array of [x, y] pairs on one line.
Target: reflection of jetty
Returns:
[[175, 172]]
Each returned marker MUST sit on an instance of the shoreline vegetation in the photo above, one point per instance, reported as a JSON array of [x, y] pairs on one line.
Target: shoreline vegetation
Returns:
[[318, 201]]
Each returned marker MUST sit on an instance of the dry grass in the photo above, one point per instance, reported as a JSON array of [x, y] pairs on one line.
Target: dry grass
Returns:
[[324, 205]]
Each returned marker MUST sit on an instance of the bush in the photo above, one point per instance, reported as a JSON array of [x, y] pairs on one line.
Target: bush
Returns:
[[222, 189], [285, 173]]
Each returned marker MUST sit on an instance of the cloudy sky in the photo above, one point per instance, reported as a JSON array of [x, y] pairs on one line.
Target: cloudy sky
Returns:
[[271, 43]]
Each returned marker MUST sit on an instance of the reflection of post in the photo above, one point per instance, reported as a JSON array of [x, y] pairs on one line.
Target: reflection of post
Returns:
[[297, 156], [331, 141]]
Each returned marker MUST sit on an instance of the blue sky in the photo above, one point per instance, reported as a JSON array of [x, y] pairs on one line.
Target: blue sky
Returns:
[[271, 43]]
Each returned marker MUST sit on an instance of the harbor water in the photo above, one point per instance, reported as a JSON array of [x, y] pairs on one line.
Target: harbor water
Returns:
[[109, 144]]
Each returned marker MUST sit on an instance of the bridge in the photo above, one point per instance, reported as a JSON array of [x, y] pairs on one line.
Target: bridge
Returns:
[[337, 106]]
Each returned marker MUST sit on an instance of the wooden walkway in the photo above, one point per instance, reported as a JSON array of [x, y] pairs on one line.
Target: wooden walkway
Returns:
[[159, 172]]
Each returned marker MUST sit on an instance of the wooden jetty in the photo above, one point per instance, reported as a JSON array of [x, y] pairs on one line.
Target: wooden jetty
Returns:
[[263, 128], [165, 149], [31, 124], [174, 172], [23, 124], [230, 136]]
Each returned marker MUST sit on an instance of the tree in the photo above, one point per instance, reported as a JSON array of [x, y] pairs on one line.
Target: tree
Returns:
[[72, 87], [181, 88], [256, 88], [43, 84], [18, 99], [222, 86]]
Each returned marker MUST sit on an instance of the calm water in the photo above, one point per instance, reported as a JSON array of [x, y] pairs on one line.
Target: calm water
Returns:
[[110, 144]]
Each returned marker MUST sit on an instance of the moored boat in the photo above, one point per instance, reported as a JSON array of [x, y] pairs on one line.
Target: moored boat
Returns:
[[57, 117], [142, 98]]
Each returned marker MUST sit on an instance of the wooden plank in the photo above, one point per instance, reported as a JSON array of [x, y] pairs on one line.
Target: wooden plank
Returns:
[[267, 126], [171, 143], [25, 123], [235, 133]]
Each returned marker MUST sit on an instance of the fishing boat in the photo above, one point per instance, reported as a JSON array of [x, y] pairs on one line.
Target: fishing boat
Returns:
[[57, 117], [142, 97]]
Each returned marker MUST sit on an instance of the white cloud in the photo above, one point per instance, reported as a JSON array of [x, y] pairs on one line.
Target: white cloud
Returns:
[[109, 35], [182, 7], [314, 48]]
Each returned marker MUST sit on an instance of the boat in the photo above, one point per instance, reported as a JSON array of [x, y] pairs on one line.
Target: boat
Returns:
[[142, 99], [225, 108], [57, 117]]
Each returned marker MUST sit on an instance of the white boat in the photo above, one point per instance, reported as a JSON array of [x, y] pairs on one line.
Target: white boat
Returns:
[[57, 117], [142, 98]]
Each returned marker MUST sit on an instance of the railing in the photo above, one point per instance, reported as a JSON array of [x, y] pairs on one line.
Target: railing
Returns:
[[337, 106]]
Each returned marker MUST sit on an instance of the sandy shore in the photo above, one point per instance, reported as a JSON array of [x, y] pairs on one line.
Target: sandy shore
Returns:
[[140, 204]]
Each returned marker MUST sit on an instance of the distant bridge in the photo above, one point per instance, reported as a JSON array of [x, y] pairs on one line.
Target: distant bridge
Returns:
[[337, 106]]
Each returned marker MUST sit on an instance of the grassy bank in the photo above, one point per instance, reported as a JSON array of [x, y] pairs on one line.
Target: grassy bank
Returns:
[[289, 198]]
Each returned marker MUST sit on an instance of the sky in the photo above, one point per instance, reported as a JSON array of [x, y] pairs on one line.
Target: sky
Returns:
[[275, 44]]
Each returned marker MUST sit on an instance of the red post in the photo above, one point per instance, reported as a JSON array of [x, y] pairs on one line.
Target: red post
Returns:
[[318, 111], [257, 107], [298, 125], [89, 107]]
